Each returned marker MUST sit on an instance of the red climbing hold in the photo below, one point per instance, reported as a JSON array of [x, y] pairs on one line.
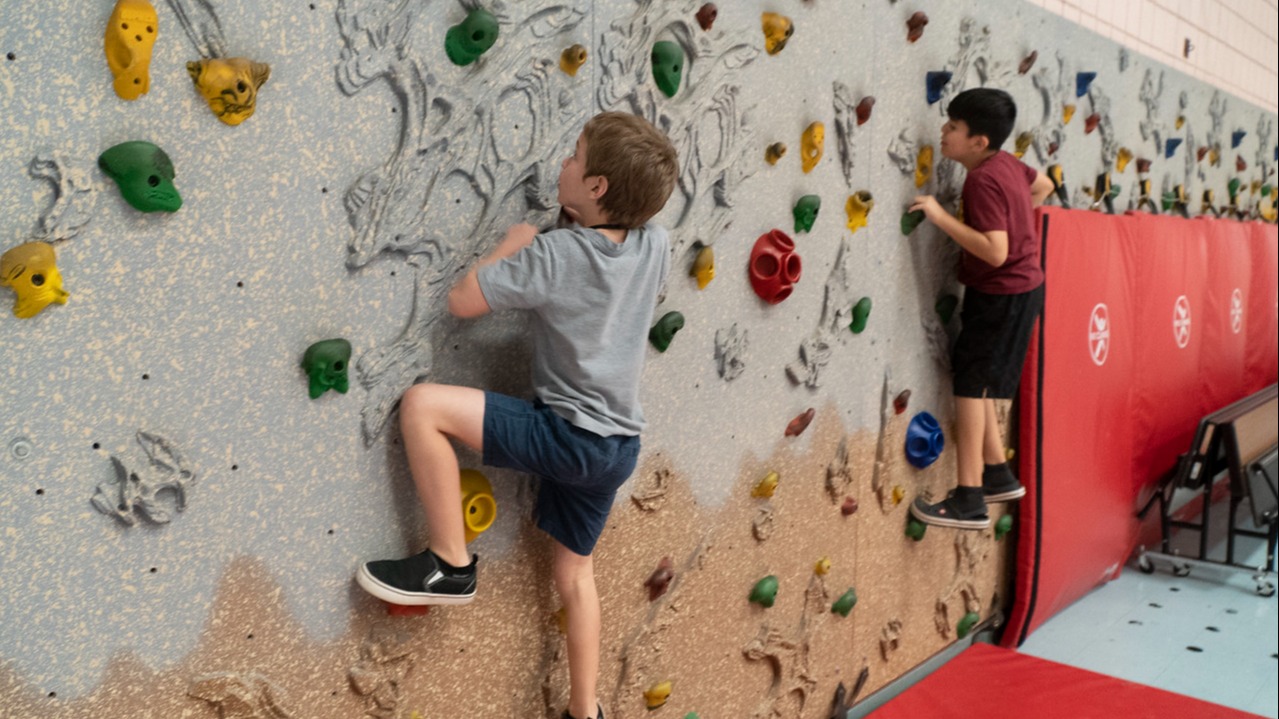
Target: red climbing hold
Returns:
[[915, 26], [661, 578], [849, 507], [901, 401], [1028, 62], [775, 266], [864, 109], [800, 423], [706, 16], [1091, 122]]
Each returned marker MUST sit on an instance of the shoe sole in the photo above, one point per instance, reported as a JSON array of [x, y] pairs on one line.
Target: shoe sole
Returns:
[[952, 523], [1011, 495], [387, 593]]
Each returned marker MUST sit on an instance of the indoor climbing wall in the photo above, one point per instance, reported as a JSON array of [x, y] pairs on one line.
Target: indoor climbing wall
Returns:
[[229, 228]]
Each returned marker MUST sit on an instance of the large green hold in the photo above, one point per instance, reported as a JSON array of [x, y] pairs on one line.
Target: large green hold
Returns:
[[326, 364], [764, 593], [805, 212], [664, 331], [915, 529], [668, 66], [966, 624], [1003, 526], [144, 173], [845, 603], [911, 220], [466, 41], [861, 313]]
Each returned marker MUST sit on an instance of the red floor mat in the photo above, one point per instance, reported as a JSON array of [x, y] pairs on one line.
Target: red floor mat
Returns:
[[993, 683]]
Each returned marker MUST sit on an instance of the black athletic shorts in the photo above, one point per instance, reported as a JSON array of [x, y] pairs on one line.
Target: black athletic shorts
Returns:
[[992, 343]]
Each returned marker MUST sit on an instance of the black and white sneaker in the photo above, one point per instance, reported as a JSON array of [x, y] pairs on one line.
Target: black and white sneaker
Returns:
[[950, 512], [999, 485], [598, 708], [422, 579]]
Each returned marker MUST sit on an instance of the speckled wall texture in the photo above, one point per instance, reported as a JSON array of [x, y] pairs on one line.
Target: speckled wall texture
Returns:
[[372, 172]]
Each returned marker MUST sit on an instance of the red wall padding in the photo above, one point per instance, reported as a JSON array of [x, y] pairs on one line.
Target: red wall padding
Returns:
[[1149, 324]]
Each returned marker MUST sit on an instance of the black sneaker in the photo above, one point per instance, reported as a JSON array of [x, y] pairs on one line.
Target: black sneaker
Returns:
[[419, 580], [949, 513], [598, 708], [999, 485]]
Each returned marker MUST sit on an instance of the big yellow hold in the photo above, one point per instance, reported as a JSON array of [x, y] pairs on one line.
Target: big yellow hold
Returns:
[[1067, 112], [229, 85], [572, 59], [811, 145], [704, 267], [128, 41], [1122, 160], [766, 486], [777, 30], [858, 208], [924, 166], [657, 695], [822, 568], [1024, 141], [31, 270], [479, 509]]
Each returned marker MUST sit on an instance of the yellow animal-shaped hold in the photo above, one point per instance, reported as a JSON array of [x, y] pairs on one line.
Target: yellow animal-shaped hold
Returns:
[[924, 166], [1122, 159], [704, 267], [1181, 121], [774, 152], [858, 208], [229, 85], [777, 30], [766, 486], [32, 272], [656, 695], [128, 41], [1067, 112], [1023, 143], [812, 144], [822, 568], [572, 59], [479, 509]]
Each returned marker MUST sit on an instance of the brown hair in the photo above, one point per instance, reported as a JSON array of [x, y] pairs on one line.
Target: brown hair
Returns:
[[637, 159]]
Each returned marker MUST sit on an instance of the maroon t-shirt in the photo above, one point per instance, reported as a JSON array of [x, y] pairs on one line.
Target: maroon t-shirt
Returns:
[[997, 197]]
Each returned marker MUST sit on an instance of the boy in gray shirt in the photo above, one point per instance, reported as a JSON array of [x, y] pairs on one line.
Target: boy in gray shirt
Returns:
[[590, 290]]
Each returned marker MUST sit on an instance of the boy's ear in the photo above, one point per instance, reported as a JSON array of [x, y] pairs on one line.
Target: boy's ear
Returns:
[[983, 142], [598, 186]]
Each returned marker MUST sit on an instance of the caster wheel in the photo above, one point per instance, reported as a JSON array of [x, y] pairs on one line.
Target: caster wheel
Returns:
[[1144, 565], [1181, 570]]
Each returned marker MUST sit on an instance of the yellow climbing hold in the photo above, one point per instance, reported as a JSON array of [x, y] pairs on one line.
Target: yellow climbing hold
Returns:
[[1181, 121], [811, 145], [1067, 112], [128, 40], [1122, 159], [479, 509], [898, 495], [777, 30], [572, 59], [822, 567], [704, 267], [924, 166], [766, 486], [858, 208], [774, 152], [1024, 141], [657, 695]]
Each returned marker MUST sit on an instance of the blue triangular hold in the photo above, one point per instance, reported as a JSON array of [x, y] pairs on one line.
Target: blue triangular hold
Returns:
[[1237, 137], [1170, 148], [1082, 81], [936, 83]]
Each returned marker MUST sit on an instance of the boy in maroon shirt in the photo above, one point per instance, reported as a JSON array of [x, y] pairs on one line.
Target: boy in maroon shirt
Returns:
[[1004, 296]]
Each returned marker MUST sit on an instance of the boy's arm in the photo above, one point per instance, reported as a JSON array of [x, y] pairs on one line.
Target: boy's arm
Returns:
[[1040, 189], [466, 300], [989, 247]]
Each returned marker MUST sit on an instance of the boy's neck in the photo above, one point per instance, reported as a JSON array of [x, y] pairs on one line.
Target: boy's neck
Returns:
[[596, 219], [972, 162]]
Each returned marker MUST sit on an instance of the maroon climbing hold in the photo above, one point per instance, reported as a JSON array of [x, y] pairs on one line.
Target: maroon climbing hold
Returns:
[[706, 16], [915, 26], [1241, 165], [901, 401], [1091, 122], [1028, 62], [1201, 153], [849, 507], [800, 423], [864, 109], [661, 578], [1143, 165], [775, 266], [1052, 148]]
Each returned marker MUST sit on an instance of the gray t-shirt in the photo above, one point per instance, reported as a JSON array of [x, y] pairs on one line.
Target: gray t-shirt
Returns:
[[591, 304]]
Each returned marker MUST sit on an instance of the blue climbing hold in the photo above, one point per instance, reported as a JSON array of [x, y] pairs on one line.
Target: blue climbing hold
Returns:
[[1082, 82], [936, 83], [924, 440], [1170, 147], [1236, 138]]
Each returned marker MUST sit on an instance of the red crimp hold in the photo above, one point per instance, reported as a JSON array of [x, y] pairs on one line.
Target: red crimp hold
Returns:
[[864, 109], [915, 26], [1143, 165], [901, 401], [1052, 148], [849, 507], [400, 610], [775, 266], [1091, 122], [661, 578], [706, 16], [1201, 153], [1241, 165], [800, 423], [1028, 62]]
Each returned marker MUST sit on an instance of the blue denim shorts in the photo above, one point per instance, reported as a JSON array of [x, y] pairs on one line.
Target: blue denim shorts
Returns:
[[580, 470]]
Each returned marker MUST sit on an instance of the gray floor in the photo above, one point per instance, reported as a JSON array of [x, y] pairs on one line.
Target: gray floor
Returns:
[[1208, 635]]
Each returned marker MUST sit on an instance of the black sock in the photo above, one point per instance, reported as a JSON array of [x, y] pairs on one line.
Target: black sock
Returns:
[[992, 468], [451, 570], [969, 498]]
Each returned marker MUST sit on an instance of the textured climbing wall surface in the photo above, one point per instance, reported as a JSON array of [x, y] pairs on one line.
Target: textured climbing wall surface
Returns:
[[179, 520]]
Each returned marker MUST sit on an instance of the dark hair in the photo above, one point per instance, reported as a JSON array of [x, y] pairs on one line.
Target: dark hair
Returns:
[[986, 111], [639, 162]]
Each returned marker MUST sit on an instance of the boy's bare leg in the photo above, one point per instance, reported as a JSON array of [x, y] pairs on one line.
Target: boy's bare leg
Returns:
[[970, 421], [575, 582], [429, 415], [992, 438]]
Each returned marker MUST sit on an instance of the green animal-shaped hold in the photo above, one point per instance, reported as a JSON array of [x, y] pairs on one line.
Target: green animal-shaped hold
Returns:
[[861, 313], [946, 305], [966, 624], [668, 66], [664, 331], [326, 363], [915, 529], [1233, 188], [911, 220], [144, 173], [845, 603], [1003, 526], [466, 41], [765, 591], [805, 212]]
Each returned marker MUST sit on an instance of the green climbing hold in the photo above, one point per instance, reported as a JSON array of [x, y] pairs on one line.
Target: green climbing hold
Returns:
[[1267, 188], [911, 220], [664, 331], [945, 307], [861, 313], [668, 66], [1003, 526], [466, 41], [915, 529], [326, 363], [1233, 188], [966, 624], [765, 591], [144, 173], [845, 603], [805, 212]]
